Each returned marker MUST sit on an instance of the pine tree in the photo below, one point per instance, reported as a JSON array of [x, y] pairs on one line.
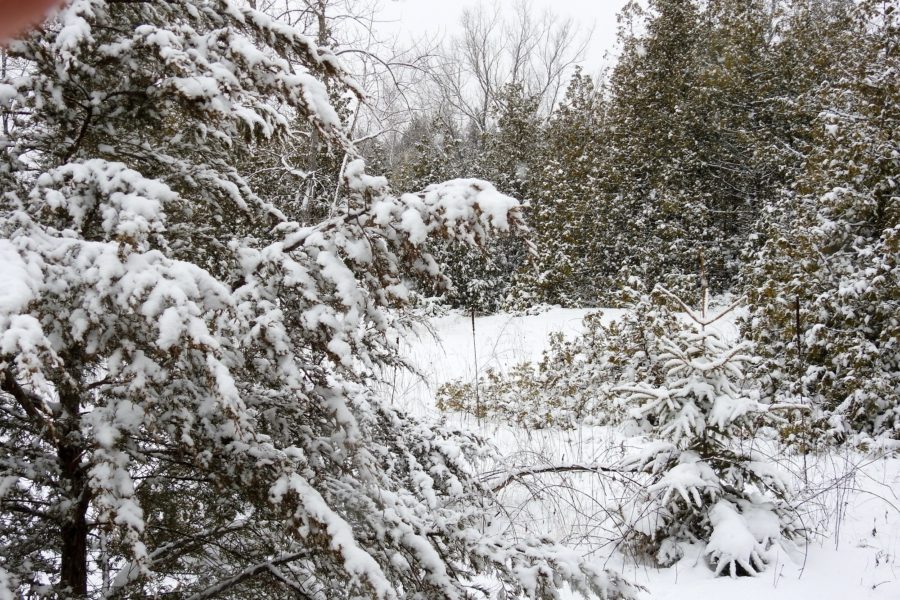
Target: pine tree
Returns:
[[434, 151], [703, 484], [476, 279], [708, 124], [185, 370], [506, 156]]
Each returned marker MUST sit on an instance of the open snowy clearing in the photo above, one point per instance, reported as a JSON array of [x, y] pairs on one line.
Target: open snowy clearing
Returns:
[[851, 498]]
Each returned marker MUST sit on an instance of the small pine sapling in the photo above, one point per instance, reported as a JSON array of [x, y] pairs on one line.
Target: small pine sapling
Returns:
[[703, 485]]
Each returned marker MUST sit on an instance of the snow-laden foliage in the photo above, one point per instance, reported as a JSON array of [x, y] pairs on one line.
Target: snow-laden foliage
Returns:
[[574, 249], [185, 402], [702, 482], [825, 286], [437, 150]]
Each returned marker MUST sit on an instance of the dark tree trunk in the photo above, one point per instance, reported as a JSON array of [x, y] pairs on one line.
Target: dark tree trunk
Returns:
[[74, 528]]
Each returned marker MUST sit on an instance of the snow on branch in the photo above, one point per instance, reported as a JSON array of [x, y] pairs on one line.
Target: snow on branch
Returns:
[[519, 473]]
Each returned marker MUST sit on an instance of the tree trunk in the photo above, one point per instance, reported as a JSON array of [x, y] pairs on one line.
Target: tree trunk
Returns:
[[74, 529]]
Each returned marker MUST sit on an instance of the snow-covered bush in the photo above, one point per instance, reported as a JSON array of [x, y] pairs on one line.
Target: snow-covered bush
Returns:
[[184, 369], [703, 484], [574, 382], [557, 392]]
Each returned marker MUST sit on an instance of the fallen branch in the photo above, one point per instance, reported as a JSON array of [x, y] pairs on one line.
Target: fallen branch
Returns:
[[574, 468], [802, 407]]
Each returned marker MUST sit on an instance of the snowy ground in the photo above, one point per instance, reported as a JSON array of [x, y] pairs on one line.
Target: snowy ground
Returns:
[[852, 498]]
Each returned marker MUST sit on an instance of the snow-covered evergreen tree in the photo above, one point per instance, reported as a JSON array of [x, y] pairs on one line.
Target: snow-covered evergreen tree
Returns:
[[572, 247], [185, 369], [824, 287], [480, 278], [654, 199], [703, 485]]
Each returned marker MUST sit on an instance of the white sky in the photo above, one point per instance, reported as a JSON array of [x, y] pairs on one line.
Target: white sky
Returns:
[[440, 18]]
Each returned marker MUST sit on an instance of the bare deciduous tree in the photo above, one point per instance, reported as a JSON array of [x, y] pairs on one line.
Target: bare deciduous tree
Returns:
[[386, 71], [527, 48]]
